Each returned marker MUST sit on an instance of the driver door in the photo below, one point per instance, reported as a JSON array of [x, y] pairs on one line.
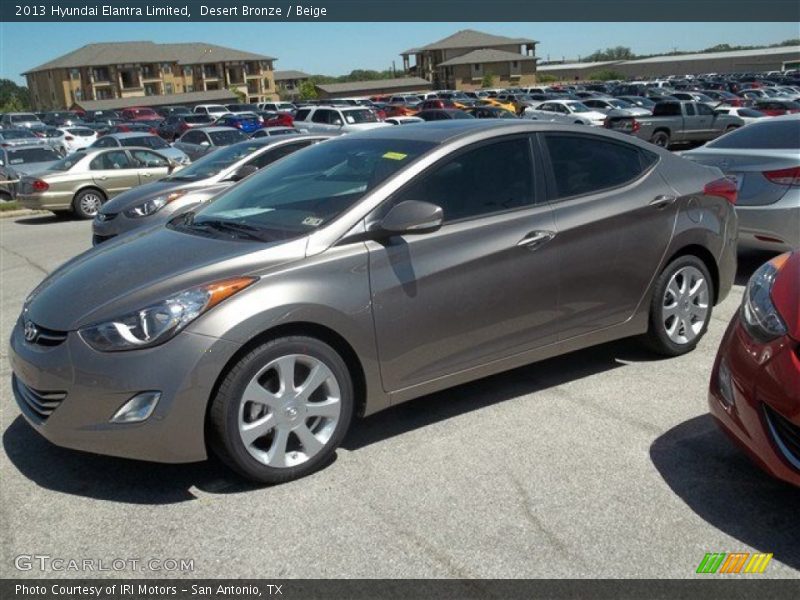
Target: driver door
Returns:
[[151, 166]]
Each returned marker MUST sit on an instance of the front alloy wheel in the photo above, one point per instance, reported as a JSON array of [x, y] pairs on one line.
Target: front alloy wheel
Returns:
[[282, 409]]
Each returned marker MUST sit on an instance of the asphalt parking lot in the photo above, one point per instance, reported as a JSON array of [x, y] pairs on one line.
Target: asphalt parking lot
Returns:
[[601, 463]]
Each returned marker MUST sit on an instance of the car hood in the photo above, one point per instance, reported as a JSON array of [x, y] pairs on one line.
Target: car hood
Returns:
[[140, 269], [139, 194]]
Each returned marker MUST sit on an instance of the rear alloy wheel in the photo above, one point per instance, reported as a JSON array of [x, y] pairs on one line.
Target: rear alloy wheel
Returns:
[[282, 410], [87, 203], [660, 138], [681, 307]]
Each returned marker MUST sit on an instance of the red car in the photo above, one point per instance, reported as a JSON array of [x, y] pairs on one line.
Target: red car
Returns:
[[139, 113], [755, 386], [776, 108]]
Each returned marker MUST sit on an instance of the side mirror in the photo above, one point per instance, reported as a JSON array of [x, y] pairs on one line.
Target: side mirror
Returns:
[[338, 123], [242, 172], [410, 217]]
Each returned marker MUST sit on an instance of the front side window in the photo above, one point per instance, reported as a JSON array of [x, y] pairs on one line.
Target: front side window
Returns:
[[149, 159], [194, 137], [105, 142], [111, 161], [304, 191], [270, 156], [225, 138], [586, 165], [491, 178]]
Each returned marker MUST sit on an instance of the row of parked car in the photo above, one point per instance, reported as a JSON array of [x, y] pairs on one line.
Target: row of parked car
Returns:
[[252, 303]]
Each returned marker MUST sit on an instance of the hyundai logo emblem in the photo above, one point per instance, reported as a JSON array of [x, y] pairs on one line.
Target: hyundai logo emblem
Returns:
[[30, 332]]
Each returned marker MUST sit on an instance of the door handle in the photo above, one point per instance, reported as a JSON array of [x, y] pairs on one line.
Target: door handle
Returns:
[[103, 177], [662, 201], [536, 238], [145, 174]]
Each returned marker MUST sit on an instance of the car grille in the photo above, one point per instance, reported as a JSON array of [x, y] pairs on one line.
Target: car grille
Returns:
[[46, 337], [41, 404], [785, 434]]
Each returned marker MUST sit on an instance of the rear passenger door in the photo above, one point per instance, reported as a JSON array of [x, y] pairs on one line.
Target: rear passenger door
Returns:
[[114, 171], [482, 287], [615, 216]]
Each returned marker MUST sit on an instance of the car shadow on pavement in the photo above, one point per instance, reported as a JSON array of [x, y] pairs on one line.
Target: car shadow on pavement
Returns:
[[747, 263], [41, 220], [719, 483], [482, 393], [109, 478], [136, 482]]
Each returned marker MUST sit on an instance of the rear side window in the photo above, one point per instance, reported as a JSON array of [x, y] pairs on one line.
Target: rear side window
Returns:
[[302, 114], [584, 165], [492, 178], [767, 135], [111, 161]]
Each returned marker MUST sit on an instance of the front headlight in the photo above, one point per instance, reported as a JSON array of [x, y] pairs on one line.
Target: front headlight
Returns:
[[759, 315], [158, 323], [152, 206]]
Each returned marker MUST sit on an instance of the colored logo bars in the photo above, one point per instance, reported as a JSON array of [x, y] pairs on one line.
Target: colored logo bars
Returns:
[[741, 562]]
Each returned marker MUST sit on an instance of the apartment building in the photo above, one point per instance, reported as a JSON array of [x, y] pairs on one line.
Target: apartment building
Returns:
[[462, 60], [124, 70], [289, 82]]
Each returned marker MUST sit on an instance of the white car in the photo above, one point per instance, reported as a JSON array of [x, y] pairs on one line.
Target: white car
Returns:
[[279, 107], [565, 111], [336, 119], [748, 115], [74, 138], [403, 120], [607, 105], [215, 110]]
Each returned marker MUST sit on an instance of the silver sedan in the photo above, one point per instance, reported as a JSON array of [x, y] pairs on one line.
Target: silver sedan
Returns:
[[763, 159]]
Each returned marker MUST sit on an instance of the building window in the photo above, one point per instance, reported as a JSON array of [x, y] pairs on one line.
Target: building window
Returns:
[[189, 88], [167, 88]]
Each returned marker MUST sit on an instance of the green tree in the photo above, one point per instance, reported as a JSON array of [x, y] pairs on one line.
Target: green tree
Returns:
[[605, 75], [616, 53], [545, 78], [488, 80], [239, 93], [308, 91], [13, 97]]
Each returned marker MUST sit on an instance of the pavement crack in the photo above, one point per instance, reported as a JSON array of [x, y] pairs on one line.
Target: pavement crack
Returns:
[[526, 504]]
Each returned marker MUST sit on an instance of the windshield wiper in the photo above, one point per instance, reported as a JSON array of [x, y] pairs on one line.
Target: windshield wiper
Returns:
[[250, 231]]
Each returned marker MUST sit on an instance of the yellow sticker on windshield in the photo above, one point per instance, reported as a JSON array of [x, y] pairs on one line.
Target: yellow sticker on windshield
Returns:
[[395, 155]]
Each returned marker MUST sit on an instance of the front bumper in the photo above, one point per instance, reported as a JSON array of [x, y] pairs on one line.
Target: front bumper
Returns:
[[762, 379], [88, 387]]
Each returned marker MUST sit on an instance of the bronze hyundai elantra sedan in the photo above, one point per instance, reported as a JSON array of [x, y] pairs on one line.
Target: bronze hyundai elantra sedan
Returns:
[[363, 272]]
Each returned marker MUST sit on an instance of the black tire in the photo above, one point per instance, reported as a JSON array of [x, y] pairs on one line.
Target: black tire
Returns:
[[223, 418], [79, 207], [657, 338], [660, 138], [5, 197]]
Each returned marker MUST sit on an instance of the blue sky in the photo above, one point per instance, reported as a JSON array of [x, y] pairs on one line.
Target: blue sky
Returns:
[[338, 48]]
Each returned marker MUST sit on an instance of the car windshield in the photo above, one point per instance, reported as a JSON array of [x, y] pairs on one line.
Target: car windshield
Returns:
[[762, 135], [31, 155], [16, 134], [21, 118], [146, 141], [210, 165], [359, 116], [225, 138], [304, 191], [66, 163]]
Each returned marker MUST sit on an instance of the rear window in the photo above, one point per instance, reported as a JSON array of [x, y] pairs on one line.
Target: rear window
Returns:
[[23, 118], [197, 118], [81, 132], [145, 141], [667, 109], [359, 116], [224, 138], [31, 155], [766, 135]]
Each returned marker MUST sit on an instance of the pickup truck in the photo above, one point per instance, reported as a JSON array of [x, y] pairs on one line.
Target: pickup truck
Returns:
[[675, 122]]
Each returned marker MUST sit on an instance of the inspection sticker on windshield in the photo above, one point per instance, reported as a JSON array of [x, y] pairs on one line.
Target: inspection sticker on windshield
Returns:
[[312, 221], [395, 155]]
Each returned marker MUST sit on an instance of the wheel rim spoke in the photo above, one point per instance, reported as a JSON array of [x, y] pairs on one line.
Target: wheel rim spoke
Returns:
[[328, 409], [319, 374], [311, 445], [255, 392], [276, 456], [285, 367], [252, 431]]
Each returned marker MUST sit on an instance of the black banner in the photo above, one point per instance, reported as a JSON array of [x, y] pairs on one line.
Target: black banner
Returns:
[[407, 10], [710, 586]]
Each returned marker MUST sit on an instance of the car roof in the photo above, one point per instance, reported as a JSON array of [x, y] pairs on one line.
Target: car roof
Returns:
[[129, 134], [214, 129]]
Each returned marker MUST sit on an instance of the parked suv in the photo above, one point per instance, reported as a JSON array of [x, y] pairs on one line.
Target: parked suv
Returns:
[[336, 119], [365, 271]]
